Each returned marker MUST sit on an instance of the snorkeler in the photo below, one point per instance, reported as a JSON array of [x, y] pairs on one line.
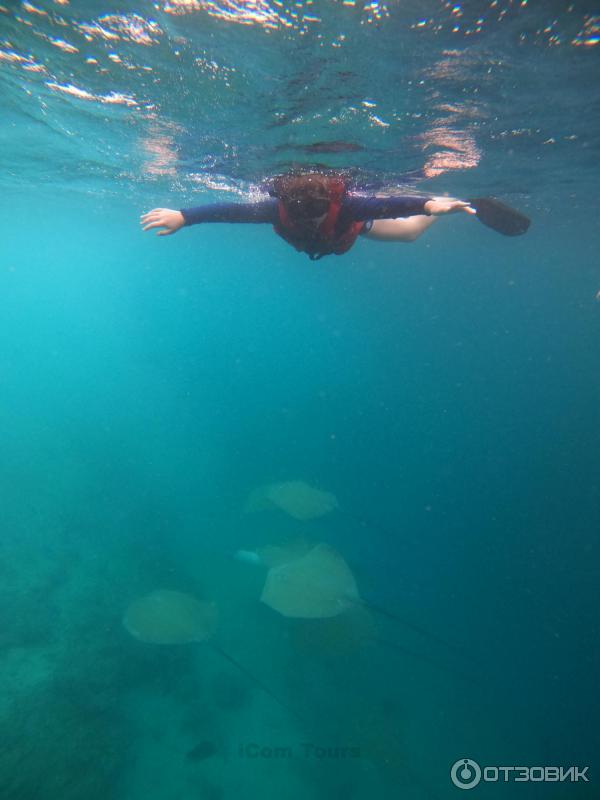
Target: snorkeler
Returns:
[[319, 215]]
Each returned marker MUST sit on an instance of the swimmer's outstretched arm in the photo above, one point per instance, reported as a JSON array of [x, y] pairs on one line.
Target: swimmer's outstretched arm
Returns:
[[387, 227], [166, 219], [170, 221], [400, 219]]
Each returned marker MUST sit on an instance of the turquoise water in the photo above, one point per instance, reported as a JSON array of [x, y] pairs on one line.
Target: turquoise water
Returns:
[[446, 392]]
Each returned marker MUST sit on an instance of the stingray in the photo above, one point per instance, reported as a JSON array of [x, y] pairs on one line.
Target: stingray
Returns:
[[302, 502], [167, 617], [296, 498], [318, 584]]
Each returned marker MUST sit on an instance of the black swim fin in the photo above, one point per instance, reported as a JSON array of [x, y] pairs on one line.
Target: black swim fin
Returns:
[[500, 217]]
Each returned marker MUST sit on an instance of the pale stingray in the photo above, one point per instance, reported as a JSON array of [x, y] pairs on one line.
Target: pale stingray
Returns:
[[349, 628], [295, 498], [303, 502], [167, 617], [318, 585]]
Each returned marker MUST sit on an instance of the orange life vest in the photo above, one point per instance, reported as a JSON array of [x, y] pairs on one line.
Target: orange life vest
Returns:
[[325, 239]]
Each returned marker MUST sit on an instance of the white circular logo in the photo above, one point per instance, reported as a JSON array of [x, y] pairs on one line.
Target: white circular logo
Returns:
[[465, 773]]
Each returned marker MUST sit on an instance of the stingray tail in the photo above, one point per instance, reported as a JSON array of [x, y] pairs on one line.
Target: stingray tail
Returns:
[[413, 627], [438, 663], [256, 681]]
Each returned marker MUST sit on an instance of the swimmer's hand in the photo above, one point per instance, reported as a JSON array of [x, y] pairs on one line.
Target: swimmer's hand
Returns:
[[165, 218], [447, 205]]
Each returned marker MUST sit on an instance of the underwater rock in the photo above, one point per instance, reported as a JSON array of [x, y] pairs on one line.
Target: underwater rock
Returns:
[[201, 751]]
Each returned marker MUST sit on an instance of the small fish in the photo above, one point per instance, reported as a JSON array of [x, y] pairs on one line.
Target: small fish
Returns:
[[334, 146], [331, 147], [201, 751]]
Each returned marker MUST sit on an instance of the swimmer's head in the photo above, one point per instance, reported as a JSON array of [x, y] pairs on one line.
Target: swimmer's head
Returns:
[[307, 196]]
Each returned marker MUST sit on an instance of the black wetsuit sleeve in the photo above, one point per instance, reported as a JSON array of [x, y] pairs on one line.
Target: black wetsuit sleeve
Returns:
[[361, 209], [262, 211]]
